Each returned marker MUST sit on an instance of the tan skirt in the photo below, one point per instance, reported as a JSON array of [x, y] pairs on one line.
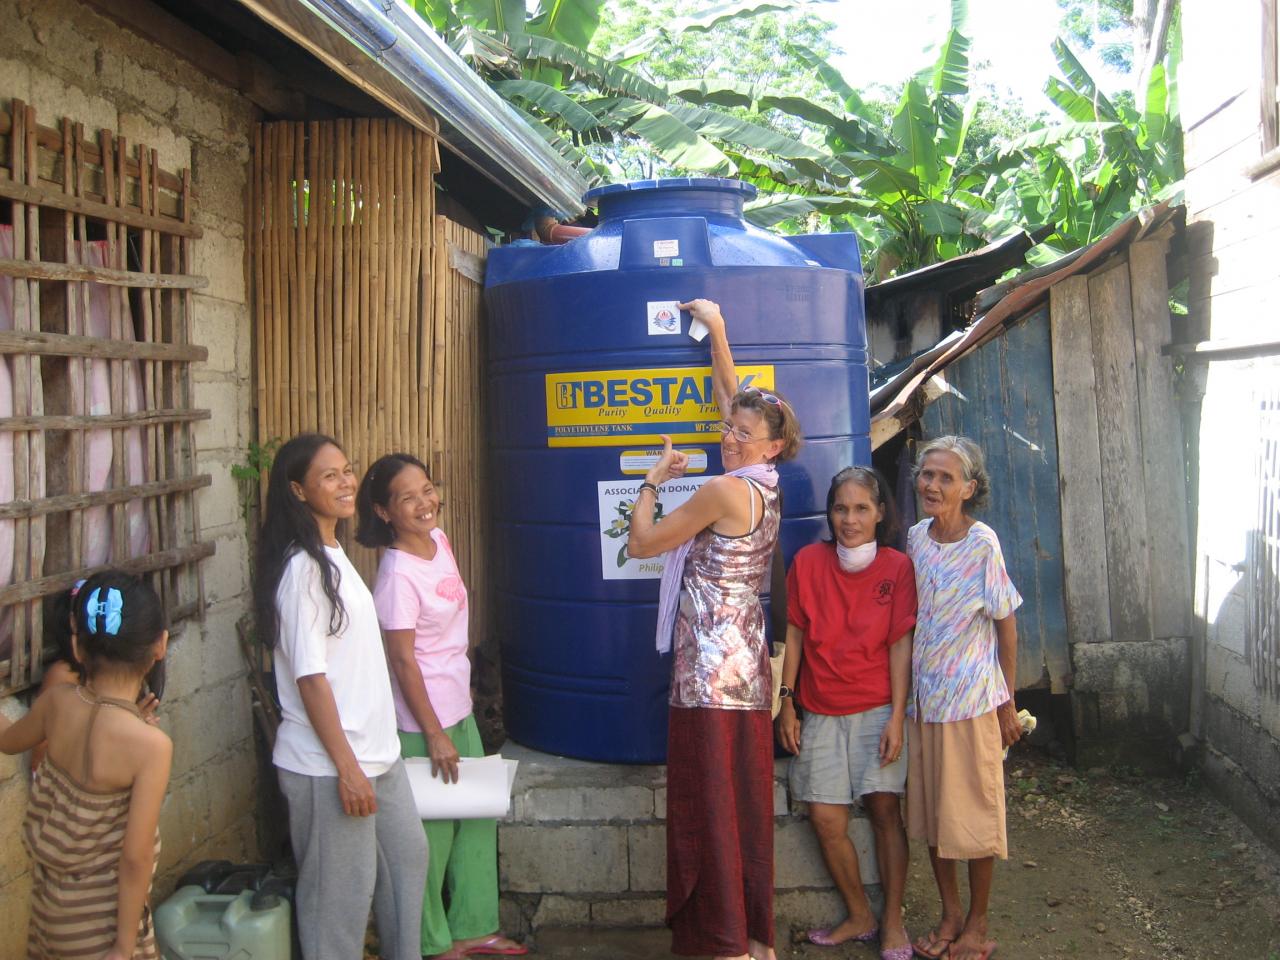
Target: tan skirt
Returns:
[[955, 787]]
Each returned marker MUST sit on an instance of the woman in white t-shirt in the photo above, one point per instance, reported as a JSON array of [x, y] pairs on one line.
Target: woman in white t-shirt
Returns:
[[352, 819], [422, 606]]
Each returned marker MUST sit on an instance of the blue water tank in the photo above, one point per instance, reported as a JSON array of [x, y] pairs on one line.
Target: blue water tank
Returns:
[[589, 362]]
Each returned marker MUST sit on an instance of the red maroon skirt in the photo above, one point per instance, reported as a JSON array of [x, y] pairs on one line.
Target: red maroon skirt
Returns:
[[719, 830]]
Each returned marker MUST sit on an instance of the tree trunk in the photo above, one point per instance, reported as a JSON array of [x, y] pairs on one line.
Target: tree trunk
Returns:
[[1151, 19]]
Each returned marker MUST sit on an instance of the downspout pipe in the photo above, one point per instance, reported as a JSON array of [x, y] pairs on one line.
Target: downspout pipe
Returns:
[[475, 122]]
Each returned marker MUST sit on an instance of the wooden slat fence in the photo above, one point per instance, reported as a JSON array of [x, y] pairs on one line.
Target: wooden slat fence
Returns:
[[97, 447], [368, 312]]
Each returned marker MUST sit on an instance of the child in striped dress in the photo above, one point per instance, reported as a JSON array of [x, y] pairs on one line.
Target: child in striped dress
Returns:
[[92, 818]]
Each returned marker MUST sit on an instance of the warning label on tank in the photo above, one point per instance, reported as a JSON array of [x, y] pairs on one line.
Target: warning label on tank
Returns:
[[608, 408]]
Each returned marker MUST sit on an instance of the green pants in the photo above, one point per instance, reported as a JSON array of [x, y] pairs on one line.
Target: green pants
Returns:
[[462, 858]]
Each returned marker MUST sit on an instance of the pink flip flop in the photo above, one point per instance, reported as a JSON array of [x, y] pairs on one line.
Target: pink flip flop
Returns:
[[489, 947], [822, 938]]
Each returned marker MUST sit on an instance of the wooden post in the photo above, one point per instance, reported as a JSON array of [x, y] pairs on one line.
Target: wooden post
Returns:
[[1164, 467], [1123, 481], [1084, 557]]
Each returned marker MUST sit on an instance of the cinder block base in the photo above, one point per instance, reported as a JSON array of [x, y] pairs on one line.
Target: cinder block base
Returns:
[[1129, 702], [585, 845]]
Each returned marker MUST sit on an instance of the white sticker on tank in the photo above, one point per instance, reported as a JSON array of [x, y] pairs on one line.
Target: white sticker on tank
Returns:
[[666, 248], [662, 317], [636, 463]]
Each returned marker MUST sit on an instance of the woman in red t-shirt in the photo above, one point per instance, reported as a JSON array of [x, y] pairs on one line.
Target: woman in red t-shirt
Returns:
[[851, 607]]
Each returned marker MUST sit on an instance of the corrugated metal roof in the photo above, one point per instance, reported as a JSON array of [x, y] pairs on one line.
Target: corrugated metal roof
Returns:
[[898, 398]]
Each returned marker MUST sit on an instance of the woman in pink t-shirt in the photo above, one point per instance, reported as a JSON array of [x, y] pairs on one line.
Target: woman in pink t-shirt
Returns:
[[851, 607], [422, 608]]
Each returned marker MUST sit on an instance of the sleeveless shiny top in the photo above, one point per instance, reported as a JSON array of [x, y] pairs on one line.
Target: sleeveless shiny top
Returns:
[[721, 658]]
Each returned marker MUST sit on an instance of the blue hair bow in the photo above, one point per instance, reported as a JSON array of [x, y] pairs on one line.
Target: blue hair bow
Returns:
[[108, 610]]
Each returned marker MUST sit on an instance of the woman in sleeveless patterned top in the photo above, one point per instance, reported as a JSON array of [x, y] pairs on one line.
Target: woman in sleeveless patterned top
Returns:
[[92, 819], [718, 547]]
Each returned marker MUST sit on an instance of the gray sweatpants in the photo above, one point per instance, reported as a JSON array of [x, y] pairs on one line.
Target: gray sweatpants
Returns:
[[344, 863]]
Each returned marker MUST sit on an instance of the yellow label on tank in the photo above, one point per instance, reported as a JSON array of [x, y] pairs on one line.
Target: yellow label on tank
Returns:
[[610, 408]]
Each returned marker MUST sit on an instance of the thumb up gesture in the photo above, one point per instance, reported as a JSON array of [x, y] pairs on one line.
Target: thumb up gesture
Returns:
[[672, 463]]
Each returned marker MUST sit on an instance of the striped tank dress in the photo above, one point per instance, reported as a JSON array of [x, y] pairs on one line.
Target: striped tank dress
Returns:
[[75, 836]]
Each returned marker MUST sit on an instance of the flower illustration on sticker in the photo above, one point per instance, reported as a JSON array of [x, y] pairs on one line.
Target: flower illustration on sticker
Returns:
[[620, 527]]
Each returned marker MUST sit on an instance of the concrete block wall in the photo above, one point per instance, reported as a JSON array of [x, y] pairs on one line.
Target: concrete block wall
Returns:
[[67, 59], [1233, 206], [585, 845]]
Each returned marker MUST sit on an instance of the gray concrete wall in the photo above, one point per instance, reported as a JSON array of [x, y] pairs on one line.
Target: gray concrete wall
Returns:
[[1235, 285], [66, 59]]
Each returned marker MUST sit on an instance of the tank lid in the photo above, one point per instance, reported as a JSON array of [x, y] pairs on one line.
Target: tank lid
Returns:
[[724, 184]]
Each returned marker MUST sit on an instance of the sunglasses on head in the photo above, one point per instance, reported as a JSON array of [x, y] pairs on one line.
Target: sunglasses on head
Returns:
[[763, 395]]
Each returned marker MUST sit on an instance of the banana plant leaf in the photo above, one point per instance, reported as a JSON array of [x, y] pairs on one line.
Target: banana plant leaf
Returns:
[[772, 174], [953, 129], [551, 102], [704, 21], [915, 127], [722, 126], [484, 51], [1081, 81], [774, 208], [438, 13], [572, 22], [1056, 133], [591, 171], [833, 80], [671, 138], [606, 77], [496, 16], [949, 75]]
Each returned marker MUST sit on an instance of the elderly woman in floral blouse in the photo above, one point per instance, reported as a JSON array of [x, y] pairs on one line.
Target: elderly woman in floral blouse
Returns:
[[963, 680]]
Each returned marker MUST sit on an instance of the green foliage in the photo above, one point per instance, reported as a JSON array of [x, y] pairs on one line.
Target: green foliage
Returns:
[[921, 171], [1108, 160], [252, 473]]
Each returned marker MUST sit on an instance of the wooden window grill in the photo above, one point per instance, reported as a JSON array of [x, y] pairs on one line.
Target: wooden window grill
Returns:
[[97, 446]]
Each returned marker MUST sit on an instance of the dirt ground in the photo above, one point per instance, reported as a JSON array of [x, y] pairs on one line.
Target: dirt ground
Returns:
[[1103, 863]]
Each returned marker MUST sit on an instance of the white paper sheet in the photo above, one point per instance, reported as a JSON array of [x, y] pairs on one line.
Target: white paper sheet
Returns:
[[483, 789]]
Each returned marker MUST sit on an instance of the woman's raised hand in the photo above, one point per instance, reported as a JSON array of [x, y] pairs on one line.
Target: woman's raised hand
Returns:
[[444, 757], [706, 311], [671, 464]]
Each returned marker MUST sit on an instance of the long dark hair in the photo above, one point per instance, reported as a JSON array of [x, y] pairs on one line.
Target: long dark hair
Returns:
[[118, 618], [288, 526], [874, 482], [375, 491]]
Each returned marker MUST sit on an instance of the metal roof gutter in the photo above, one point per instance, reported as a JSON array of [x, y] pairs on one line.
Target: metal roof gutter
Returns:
[[388, 51]]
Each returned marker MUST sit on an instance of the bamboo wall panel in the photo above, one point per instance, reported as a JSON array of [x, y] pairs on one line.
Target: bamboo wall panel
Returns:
[[458, 414], [97, 452], [364, 332]]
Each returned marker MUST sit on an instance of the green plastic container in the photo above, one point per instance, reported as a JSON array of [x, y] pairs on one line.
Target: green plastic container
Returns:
[[195, 925]]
